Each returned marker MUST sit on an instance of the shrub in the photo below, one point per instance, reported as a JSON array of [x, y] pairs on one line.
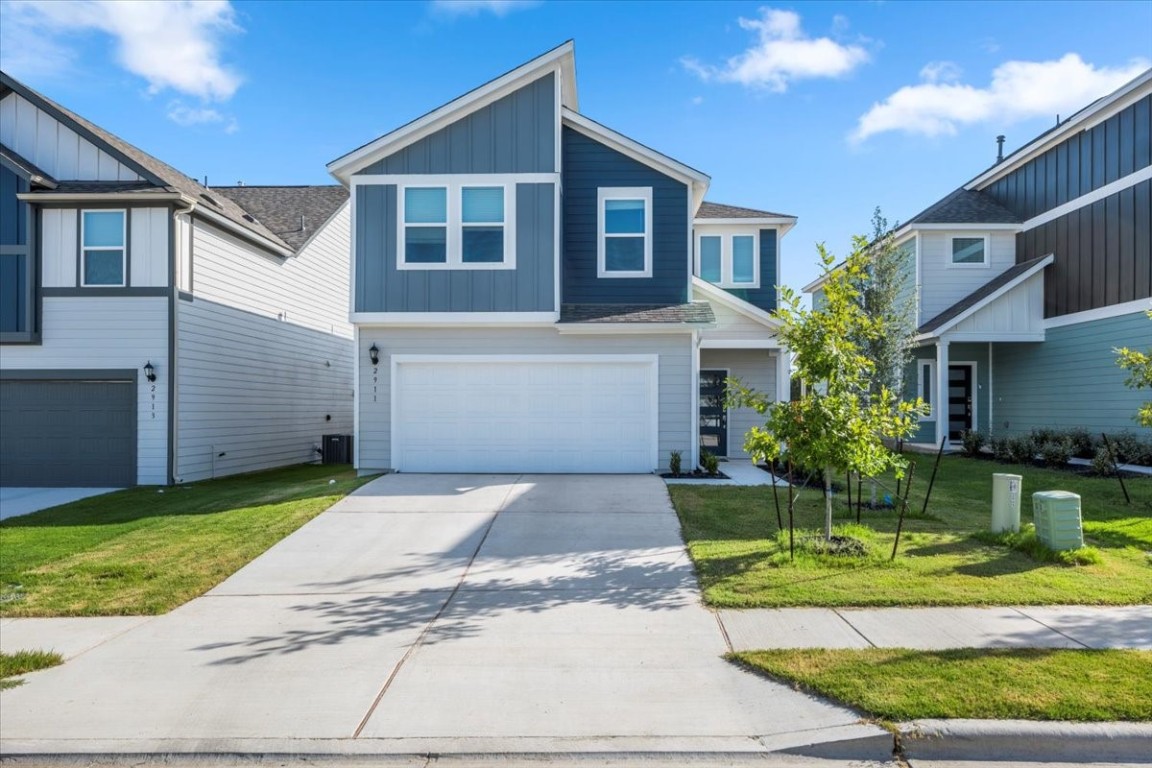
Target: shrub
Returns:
[[1056, 451], [1102, 462], [1044, 435], [709, 462], [1130, 449], [999, 447], [972, 441], [674, 463], [1021, 450], [1083, 443]]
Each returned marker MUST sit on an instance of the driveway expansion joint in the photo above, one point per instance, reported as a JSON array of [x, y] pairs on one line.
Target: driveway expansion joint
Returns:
[[1051, 628]]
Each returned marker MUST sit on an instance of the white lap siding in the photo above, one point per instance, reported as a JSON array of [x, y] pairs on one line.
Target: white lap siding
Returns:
[[756, 368], [674, 353]]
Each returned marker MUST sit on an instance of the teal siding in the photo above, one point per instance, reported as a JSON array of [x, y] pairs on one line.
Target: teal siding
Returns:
[[516, 134], [1071, 379]]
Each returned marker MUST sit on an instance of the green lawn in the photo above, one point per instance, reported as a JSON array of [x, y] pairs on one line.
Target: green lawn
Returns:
[[899, 684], [23, 662], [147, 550], [742, 560]]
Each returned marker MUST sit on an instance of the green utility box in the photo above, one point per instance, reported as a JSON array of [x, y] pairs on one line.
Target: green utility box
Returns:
[[1057, 518]]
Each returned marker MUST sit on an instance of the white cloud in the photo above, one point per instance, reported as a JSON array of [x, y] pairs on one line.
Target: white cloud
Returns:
[[173, 44], [941, 72], [182, 114], [782, 54], [1019, 90], [476, 7]]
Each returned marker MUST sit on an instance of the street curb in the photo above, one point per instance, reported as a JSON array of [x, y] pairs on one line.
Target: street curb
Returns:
[[1027, 740]]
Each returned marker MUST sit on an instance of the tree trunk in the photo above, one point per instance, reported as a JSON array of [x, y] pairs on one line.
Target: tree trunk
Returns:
[[828, 503]]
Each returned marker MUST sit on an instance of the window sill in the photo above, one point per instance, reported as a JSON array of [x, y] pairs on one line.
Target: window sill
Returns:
[[458, 267]]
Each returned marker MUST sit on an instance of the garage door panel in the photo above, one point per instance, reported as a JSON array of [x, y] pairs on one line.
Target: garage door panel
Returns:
[[553, 416]]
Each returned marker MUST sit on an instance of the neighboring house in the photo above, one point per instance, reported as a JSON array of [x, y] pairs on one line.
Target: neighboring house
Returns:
[[1031, 274], [533, 291], [155, 331]]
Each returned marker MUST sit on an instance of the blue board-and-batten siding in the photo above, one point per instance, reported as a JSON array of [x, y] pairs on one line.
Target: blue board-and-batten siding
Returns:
[[381, 287], [515, 134], [589, 165], [764, 296]]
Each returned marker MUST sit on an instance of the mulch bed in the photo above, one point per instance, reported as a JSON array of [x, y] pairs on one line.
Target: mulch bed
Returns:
[[696, 475]]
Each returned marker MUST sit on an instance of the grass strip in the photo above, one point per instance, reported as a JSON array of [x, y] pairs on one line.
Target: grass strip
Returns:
[[23, 662]]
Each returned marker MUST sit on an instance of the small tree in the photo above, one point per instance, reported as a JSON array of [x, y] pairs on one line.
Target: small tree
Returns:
[[838, 424], [1139, 367], [885, 298]]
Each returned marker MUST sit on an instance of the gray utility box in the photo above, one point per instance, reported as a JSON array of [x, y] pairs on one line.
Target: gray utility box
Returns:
[[1057, 518], [337, 449]]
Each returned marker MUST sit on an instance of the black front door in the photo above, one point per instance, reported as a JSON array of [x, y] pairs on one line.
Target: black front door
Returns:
[[959, 400], [713, 415]]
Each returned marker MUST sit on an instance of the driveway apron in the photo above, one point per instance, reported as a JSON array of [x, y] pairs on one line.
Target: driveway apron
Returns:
[[451, 612]]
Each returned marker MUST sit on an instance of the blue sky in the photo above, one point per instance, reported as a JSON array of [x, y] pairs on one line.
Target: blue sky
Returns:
[[821, 110]]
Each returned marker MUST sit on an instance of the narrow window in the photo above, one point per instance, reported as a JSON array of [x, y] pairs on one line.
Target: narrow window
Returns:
[[426, 225], [710, 260], [102, 252], [925, 385], [482, 222], [625, 243], [968, 250], [743, 259]]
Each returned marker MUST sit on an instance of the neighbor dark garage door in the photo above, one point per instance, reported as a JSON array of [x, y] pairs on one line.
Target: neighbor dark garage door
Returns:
[[67, 433]]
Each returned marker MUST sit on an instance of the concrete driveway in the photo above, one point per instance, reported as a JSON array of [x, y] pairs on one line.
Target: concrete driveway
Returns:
[[434, 613], [23, 501]]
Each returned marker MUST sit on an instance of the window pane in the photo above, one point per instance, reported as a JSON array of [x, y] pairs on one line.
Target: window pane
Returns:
[[483, 204], [104, 228], [624, 254], [103, 267], [483, 245], [710, 259], [426, 205], [926, 385], [13, 291], [743, 259], [967, 250], [426, 245], [624, 216]]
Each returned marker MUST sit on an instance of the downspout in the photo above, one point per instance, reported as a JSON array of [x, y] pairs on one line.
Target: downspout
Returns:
[[173, 297]]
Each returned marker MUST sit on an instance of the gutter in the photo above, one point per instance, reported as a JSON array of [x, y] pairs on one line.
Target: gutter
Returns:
[[97, 197]]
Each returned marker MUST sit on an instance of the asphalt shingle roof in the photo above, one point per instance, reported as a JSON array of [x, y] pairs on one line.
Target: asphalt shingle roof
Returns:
[[966, 206], [292, 213], [721, 211], [696, 312], [979, 295]]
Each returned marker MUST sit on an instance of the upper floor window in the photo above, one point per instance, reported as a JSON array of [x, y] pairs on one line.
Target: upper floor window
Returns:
[[728, 260], [102, 250], [970, 251], [456, 226], [624, 241]]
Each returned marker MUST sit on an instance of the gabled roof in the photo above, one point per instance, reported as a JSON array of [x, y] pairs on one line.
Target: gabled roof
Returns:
[[160, 175], [735, 303], [36, 176], [562, 57], [965, 206], [984, 295], [692, 313], [709, 210], [293, 214]]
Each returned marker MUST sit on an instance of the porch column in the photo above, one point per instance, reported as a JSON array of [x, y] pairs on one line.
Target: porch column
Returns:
[[783, 375], [940, 401]]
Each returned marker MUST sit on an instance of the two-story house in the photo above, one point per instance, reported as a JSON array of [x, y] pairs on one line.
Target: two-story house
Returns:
[[535, 292], [152, 330], [1029, 276]]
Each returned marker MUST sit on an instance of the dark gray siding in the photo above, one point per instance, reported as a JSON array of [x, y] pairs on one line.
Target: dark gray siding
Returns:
[[516, 134], [15, 258], [380, 287], [13, 213], [1103, 252], [589, 165], [764, 296], [1081, 163]]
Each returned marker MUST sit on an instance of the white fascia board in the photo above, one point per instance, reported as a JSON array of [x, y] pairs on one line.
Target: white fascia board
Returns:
[[637, 151], [990, 298], [560, 60], [999, 336], [735, 303], [247, 234], [1102, 313], [782, 223], [100, 197], [741, 344], [627, 329], [462, 319], [1086, 119], [815, 285], [966, 227]]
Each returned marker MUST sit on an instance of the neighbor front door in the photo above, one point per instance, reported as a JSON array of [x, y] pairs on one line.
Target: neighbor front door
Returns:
[[960, 387], [713, 415]]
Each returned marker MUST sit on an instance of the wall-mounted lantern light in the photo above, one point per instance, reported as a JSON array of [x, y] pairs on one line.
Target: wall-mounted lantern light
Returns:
[[149, 371], [374, 354]]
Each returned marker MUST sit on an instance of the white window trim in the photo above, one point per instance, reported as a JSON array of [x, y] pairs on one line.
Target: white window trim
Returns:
[[727, 250], [122, 248], [931, 366], [623, 193], [987, 251], [454, 224]]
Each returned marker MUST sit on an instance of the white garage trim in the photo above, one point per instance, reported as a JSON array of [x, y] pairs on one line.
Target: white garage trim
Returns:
[[652, 361]]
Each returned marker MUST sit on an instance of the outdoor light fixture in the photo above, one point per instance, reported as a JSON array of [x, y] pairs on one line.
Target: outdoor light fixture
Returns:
[[149, 371], [374, 354]]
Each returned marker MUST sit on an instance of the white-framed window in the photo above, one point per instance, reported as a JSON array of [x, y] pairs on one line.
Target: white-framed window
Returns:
[[103, 247], [729, 260], [926, 385], [460, 224], [969, 250], [624, 232]]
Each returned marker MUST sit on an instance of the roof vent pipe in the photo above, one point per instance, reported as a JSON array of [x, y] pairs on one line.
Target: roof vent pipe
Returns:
[[302, 227], [1000, 148]]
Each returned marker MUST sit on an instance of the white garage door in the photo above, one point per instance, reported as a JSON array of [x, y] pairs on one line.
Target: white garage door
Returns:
[[524, 414]]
